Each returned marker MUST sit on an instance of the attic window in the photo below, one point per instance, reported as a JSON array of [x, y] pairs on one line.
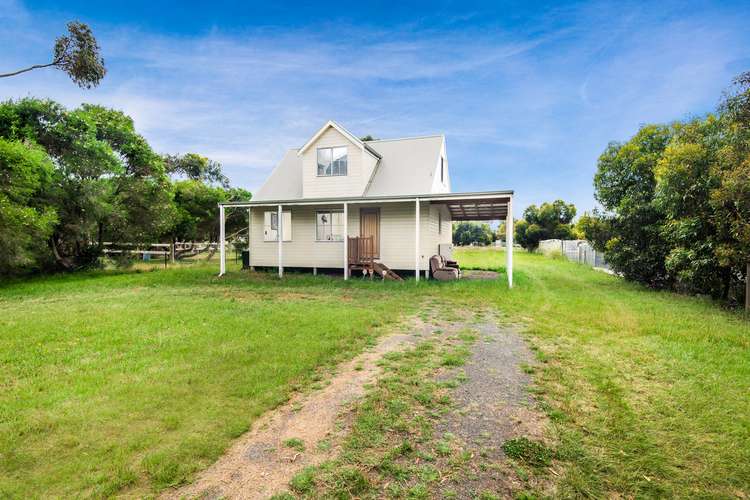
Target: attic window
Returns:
[[332, 161], [442, 170]]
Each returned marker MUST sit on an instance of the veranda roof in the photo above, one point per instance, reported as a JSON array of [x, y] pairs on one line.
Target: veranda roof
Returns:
[[476, 208]]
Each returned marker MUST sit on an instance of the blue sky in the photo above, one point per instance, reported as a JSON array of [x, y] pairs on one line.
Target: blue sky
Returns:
[[528, 94]]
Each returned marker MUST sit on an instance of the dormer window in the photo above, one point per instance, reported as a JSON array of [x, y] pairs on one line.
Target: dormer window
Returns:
[[331, 161]]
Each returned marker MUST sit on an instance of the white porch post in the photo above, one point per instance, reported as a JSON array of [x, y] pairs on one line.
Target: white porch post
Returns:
[[346, 241], [249, 226], [509, 243], [280, 239], [416, 241], [222, 243], [249, 233]]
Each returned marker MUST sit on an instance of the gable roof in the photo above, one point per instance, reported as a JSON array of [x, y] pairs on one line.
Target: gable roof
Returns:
[[405, 167], [285, 180], [351, 137]]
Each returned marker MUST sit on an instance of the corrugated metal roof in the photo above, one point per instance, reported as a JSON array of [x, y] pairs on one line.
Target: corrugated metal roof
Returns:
[[406, 167], [285, 181]]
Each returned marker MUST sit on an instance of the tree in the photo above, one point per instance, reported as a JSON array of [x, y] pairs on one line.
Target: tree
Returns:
[[196, 167], [595, 228], [686, 174], [548, 221], [625, 185], [107, 182], [197, 211], [368, 137], [731, 198], [471, 233], [736, 103], [25, 171], [77, 54]]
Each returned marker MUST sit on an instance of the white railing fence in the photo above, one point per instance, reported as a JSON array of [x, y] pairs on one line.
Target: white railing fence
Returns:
[[579, 251]]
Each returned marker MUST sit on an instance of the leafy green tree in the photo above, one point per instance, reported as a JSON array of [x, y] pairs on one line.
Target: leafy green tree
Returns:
[[625, 185], [25, 171], [595, 228], [77, 54], [730, 200], [196, 167], [471, 233], [197, 211], [686, 174], [548, 221], [107, 183]]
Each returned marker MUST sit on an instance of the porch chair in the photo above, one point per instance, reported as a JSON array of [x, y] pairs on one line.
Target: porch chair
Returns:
[[440, 271]]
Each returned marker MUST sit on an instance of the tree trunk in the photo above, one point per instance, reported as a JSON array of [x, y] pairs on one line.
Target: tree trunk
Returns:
[[63, 262]]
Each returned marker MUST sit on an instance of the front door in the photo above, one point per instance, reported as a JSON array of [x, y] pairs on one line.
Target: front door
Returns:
[[369, 225]]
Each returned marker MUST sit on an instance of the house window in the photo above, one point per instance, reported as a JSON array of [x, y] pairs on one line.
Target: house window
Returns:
[[329, 226], [332, 161], [442, 170], [440, 222], [271, 226]]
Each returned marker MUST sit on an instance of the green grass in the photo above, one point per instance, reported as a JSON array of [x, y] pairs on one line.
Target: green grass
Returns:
[[295, 444], [647, 391], [126, 383], [130, 382], [392, 430], [530, 452]]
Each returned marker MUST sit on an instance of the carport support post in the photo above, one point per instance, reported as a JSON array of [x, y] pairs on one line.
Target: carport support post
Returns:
[[222, 243], [280, 239], [416, 241], [509, 243], [346, 241]]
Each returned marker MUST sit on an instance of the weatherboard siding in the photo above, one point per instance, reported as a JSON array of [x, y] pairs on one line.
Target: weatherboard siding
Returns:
[[397, 237], [352, 184]]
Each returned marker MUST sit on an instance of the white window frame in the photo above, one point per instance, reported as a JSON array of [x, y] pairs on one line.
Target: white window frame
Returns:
[[270, 230], [330, 223], [332, 174]]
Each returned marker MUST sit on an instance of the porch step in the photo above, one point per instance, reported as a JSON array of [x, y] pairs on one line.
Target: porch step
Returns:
[[386, 272]]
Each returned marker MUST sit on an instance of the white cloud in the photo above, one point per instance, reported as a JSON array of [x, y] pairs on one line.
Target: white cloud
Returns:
[[528, 110]]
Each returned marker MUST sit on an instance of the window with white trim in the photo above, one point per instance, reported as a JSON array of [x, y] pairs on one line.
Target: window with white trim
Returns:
[[329, 225], [332, 161], [271, 226]]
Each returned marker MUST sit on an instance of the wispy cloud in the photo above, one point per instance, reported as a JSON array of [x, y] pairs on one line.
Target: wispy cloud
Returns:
[[527, 108]]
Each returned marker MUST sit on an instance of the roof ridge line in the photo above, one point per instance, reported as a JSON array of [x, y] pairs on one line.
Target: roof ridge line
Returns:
[[406, 138]]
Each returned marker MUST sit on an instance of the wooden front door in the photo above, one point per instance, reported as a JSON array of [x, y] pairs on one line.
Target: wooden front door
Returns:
[[369, 225]]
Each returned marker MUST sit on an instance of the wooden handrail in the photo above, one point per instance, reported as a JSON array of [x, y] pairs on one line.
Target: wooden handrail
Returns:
[[361, 250]]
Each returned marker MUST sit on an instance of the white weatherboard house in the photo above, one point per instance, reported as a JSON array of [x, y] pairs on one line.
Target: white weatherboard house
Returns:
[[337, 192]]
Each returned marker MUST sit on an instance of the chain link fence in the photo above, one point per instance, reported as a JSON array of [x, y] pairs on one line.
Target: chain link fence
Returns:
[[579, 251]]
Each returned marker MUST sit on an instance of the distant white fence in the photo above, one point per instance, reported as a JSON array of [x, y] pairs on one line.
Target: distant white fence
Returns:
[[579, 251]]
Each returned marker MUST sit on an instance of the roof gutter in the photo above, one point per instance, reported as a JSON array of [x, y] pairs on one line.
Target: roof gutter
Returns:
[[477, 195]]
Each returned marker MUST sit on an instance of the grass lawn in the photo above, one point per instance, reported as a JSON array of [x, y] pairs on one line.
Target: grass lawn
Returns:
[[129, 382], [647, 391], [126, 383]]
